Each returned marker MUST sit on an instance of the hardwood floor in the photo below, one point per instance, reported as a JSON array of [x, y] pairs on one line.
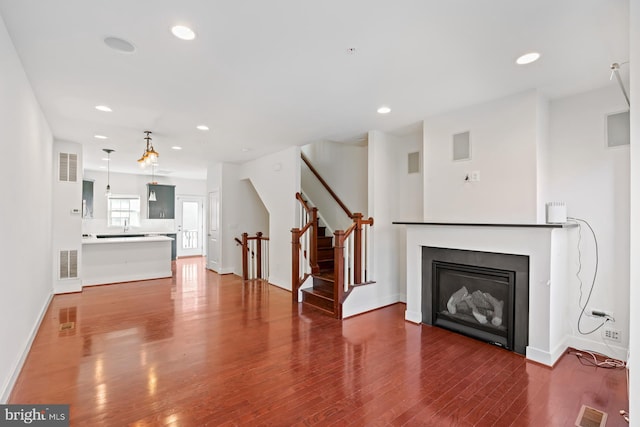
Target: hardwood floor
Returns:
[[203, 349]]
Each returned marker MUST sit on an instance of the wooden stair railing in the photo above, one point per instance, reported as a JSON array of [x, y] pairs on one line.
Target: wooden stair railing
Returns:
[[352, 255], [258, 247], [304, 247], [338, 264]]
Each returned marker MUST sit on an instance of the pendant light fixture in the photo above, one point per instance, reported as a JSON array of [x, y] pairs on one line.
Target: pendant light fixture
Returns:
[[150, 155], [152, 193], [107, 193]]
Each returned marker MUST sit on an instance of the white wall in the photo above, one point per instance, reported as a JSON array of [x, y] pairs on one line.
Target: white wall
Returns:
[[242, 212], [122, 183], [390, 191], [543, 158], [503, 136], [26, 176], [67, 226], [634, 298], [344, 168], [276, 178], [594, 182]]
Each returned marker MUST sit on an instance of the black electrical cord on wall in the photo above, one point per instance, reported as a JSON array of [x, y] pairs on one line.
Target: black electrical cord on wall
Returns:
[[595, 275]]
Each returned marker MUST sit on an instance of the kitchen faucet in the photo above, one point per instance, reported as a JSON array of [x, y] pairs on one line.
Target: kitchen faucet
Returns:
[[126, 225]]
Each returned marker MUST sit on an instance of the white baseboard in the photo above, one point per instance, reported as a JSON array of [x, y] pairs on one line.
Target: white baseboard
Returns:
[[7, 388], [548, 358], [66, 288], [613, 350], [226, 270], [540, 356], [413, 316], [358, 307]]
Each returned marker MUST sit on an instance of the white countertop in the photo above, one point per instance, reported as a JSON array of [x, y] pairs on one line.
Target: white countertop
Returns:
[[93, 240]]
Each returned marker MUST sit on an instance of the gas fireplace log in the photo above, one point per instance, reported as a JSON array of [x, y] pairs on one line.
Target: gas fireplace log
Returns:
[[481, 318], [456, 298], [497, 309], [482, 305]]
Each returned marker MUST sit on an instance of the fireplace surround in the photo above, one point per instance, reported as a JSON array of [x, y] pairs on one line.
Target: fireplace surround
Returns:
[[480, 294], [551, 249]]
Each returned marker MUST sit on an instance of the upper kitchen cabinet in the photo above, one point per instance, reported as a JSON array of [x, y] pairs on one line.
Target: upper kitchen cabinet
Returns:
[[87, 199], [165, 201]]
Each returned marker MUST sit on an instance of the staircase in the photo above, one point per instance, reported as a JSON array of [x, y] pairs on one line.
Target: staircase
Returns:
[[321, 295]]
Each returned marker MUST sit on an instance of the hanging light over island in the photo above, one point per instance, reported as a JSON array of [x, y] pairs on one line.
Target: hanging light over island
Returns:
[[150, 155]]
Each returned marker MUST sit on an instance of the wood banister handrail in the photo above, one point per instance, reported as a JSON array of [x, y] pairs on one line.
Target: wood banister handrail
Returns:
[[305, 205], [326, 186]]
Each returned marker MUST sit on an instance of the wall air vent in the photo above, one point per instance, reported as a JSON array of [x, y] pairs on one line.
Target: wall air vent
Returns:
[[461, 146], [413, 162], [68, 167], [69, 264], [618, 129]]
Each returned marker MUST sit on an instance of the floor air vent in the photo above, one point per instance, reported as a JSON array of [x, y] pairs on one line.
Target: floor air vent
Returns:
[[590, 417], [66, 326]]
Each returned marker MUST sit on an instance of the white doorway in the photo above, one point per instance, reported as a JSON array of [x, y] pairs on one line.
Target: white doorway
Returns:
[[213, 243], [190, 226]]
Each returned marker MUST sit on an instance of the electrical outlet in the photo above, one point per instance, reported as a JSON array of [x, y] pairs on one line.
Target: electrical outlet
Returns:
[[475, 176], [612, 334], [596, 312]]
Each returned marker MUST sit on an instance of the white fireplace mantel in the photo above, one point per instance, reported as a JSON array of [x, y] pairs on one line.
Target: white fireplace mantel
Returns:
[[549, 247]]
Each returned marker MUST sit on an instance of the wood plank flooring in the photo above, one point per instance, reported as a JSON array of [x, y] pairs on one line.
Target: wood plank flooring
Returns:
[[203, 349]]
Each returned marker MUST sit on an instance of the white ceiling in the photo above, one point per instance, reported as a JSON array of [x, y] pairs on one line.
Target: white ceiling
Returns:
[[265, 75]]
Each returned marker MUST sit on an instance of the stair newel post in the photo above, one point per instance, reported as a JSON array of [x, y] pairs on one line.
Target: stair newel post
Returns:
[[315, 268], [295, 263], [245, 249], [357, 249], [338, 272], [259, 254]]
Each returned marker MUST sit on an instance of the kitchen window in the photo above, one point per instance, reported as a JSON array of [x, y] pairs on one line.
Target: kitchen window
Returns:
[[123, 210]]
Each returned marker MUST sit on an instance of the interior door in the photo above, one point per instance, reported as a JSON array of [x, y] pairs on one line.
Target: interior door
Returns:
[[213, 231], [189, 220]]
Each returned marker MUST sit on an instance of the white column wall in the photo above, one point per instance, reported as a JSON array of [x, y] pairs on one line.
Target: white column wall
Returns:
[[26, 177], [593, 180], [67, 226], [634, 297], [276, 178]]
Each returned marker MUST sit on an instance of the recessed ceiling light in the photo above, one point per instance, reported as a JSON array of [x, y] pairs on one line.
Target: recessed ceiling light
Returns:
[[175, 147], [121, 45], [100, 137], [384, 110], [202, 127], [106, 159], [528, 58], [103, 108], [182, 32], [245, 149], [103, 167]]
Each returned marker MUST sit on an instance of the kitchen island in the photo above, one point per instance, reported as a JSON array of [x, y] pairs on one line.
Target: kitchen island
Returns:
[[114, 259]]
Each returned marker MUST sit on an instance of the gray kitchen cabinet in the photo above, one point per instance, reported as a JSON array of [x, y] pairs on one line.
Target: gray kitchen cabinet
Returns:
[[164, 206]]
